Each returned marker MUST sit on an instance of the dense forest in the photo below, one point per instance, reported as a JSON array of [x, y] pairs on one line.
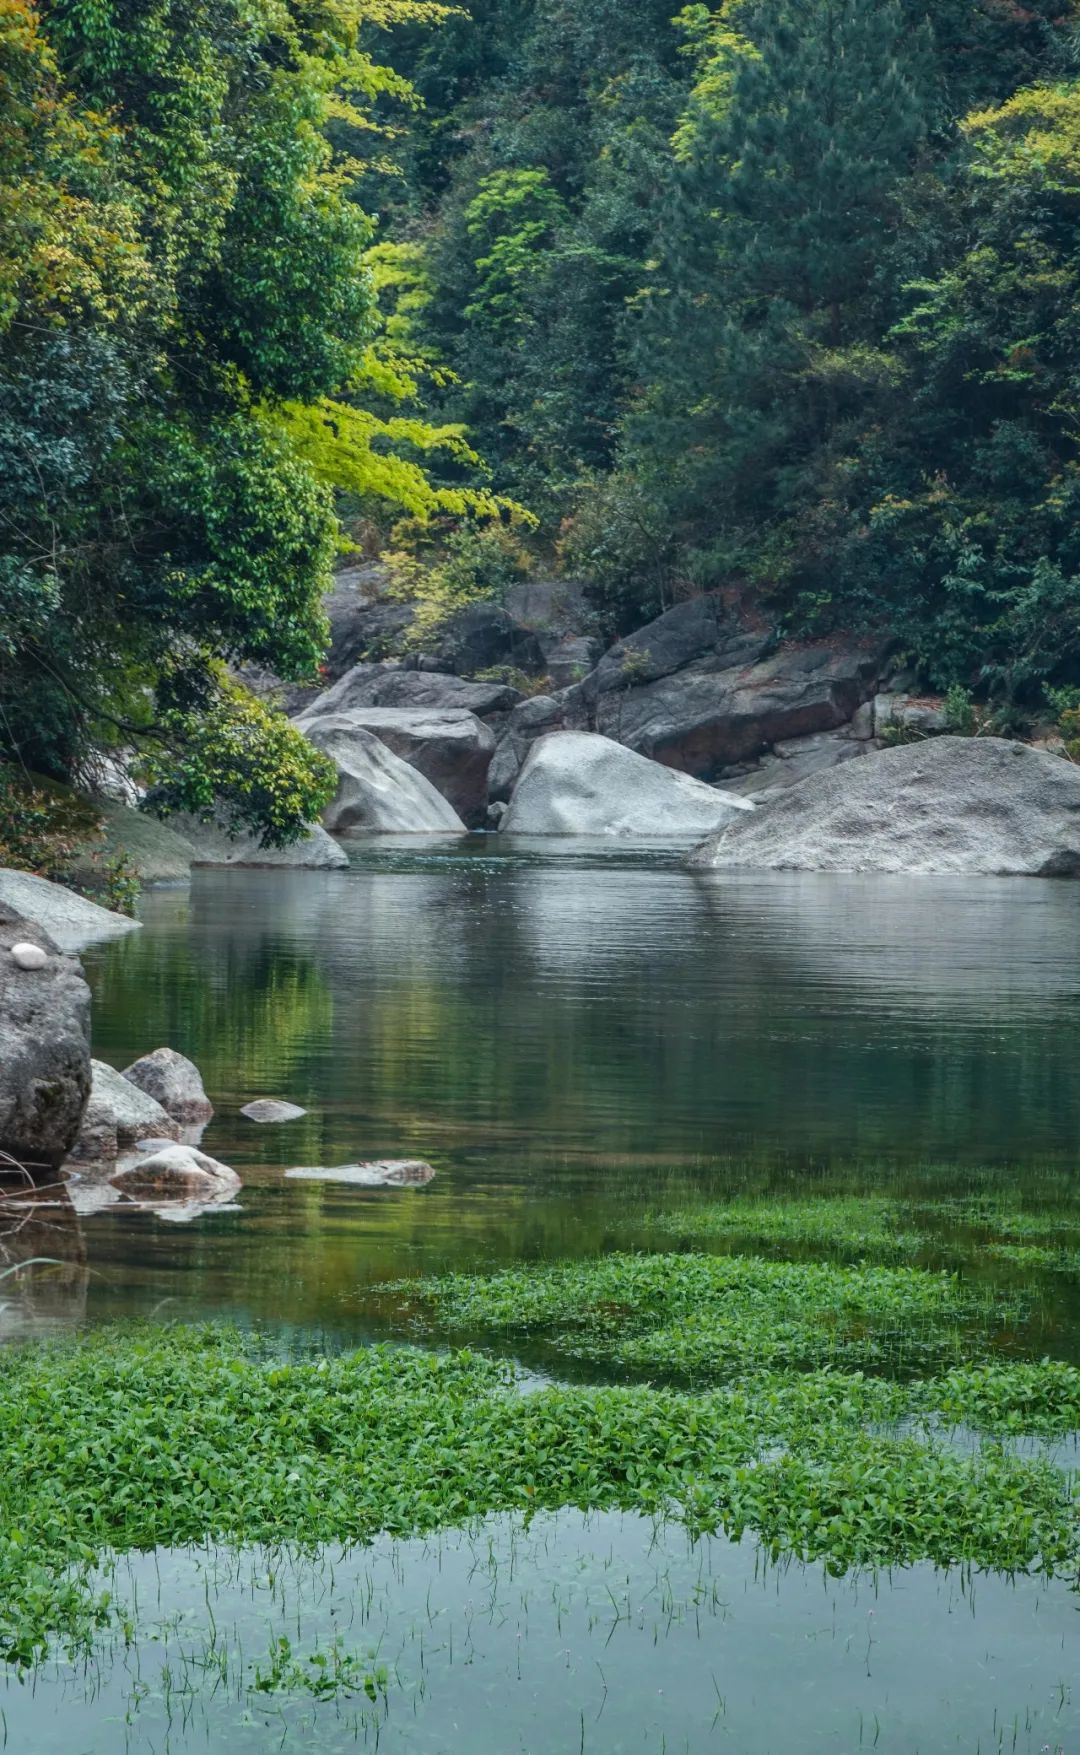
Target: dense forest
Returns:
[[778, 300]]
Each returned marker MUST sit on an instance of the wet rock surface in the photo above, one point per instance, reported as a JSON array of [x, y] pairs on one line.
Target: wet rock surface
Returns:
[[272, 1109], [383, 1173]]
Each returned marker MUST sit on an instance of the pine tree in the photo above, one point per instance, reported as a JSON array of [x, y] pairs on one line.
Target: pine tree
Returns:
[[757, 339]]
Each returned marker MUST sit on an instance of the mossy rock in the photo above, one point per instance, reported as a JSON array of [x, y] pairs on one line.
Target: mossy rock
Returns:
[[153, 850]]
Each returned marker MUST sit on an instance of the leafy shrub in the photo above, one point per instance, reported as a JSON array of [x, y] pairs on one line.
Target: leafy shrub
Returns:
[[475, 563]]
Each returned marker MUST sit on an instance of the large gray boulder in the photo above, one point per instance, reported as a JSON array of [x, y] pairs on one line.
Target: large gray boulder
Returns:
[[173, 1081], [700, 631], [520, 729], [482, 636], [451, 747], [117, 1116], [390, 685], [575, 783], [713, 712], [211, 844], [377, 792], [155, 851], [44, 1049], [70, 920], [970, 806]]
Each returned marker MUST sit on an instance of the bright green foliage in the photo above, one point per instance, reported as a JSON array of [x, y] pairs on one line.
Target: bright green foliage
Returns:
[[184, 305], [239, 762], [165, 1437]]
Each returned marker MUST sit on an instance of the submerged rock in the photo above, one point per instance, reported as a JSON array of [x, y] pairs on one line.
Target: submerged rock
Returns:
[[377, 792], [964, 805], [177, 1173], [173, 1081], [118, 1116], [70, 920], [44, 1048], [385, 1173], [271, 1109], [575, 783]]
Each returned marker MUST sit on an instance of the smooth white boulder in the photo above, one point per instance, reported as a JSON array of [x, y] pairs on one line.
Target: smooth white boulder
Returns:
[[578, 783], [377, 791], [972, 806]]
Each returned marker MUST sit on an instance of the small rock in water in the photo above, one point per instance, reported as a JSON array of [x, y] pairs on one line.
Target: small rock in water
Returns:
[[387, 1173], [157, 1145], [28, 956], [173, 1081], [270, 1109], [176, 1173]]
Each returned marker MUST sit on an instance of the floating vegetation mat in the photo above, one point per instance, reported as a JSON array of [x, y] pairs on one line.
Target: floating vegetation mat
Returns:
[[853, 1226], [163, 1437], [718, 1316]]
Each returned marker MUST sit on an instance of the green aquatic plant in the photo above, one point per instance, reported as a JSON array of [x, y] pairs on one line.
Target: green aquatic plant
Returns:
[[722, 1316], [1037, 1255], [855, 1226], [328, 1673], [1040, 1398], [164, 1437]]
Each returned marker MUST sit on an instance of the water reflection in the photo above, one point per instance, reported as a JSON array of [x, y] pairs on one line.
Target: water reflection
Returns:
[[557, 1031], [601, 1634], [43, 1265]]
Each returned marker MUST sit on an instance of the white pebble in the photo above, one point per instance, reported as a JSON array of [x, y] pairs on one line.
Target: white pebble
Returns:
[[26, 956]]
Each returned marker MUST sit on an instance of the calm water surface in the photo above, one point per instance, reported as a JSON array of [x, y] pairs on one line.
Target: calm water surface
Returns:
[[572, 1034]]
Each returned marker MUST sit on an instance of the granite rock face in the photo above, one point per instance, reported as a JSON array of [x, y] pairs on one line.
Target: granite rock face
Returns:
[[576, 783], [391, 685], [377, 792], [70, 920], [969, 806], [451, 747], [45, 1072], [714, 712]]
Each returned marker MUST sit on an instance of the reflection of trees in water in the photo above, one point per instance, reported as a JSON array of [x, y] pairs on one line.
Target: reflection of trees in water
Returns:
[[545, 1012], [43, 1271]]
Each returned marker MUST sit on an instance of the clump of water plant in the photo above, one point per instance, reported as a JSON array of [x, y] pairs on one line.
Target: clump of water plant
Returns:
[[720, 1316], [163, 1437], [857, 1227]]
